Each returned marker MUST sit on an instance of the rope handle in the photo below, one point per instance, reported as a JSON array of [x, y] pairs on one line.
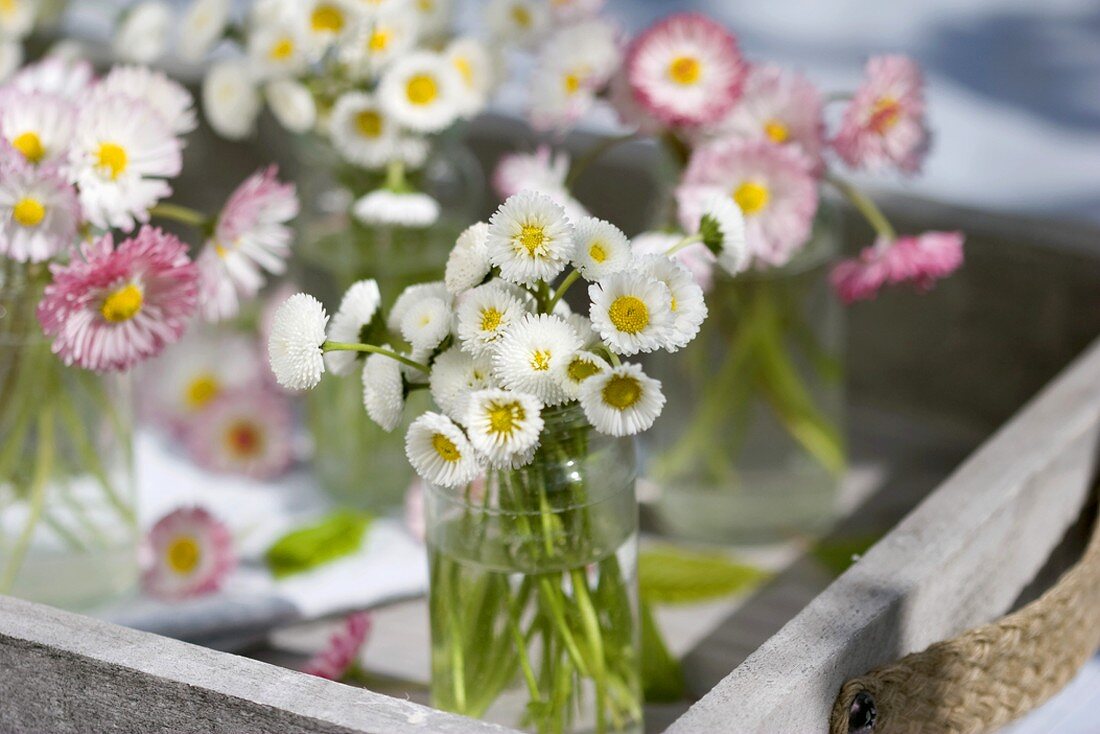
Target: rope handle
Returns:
[[987, 676]]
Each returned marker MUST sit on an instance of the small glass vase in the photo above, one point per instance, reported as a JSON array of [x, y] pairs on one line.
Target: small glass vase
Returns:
[[533, 596], [750, 448], [68, 517]]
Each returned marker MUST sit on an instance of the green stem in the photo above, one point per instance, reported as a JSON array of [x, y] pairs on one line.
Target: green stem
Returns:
[[43, 463], [395, 176], [565, 284], [866, 207], [184, 214], [592, 154], [329, 346], [690, 239]]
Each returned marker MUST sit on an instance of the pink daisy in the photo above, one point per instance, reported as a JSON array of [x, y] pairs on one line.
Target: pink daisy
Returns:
[[884, 124], [773, 185], [780, 106], [343, 648], [188, 553], [56, 75], [685, 71], [246, 432], [39, 210], [541, 170], [921, 260], [116, 306]]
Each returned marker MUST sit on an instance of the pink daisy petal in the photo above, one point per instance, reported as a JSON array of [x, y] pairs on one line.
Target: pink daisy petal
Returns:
[[252, 227], [39, 210], [343, 647], [247, 432], [920, 260], [190, 553]]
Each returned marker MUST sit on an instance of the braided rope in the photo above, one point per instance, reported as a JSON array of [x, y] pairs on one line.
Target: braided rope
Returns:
[[988, 676]]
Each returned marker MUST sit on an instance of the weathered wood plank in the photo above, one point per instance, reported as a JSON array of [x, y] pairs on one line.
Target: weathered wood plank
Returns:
[[959, 559], [65, 673]]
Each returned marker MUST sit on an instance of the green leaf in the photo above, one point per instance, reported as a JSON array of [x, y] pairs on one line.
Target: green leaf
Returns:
[[662, 675], [335, 536], [836, 554], [673, 576]]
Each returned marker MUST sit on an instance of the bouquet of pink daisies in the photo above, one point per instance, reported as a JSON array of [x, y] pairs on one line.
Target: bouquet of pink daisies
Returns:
[[89, 288]]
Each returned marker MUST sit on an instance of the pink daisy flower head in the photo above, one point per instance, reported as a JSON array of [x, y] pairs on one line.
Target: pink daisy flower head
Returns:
[[773, 186], [884, 126], [39, 211], [686, 70], [248, 432], [188, 553], [541, 170], [343, 648], [115, 306], [780, 106], [65, 77], [920, 260]]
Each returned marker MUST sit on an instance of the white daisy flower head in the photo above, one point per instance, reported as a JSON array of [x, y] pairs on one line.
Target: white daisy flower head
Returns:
[[621, 401], [142, 37], [168, 98], [202, 26], [361, 131], [120, 155], [230, 99], [484, 314], [357, 321], [410, 296], [440, 452], [56, 74], [601, 249], [468, 264], [471, 59], [582, 326], [695, 257], [294, 347], [40, 126], [688, 307], [722, 226], [573, 372], [455, 376], [382, 35], [528, 355], [411, 209], [568, 11], [326, 21], [292, 104], [426, 324], [278, 49], [575, 63], [521, 22], [421, 91], [504, 425], [17, 18], [631, 311], [530, 238], [434, 16], [383, 390]]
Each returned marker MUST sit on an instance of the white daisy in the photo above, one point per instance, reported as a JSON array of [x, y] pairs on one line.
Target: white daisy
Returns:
[[574, 64], [56, 74], [358, 321], [468, 264], [568, 11], [484, 314], [121, 152], [292, 104], [434, 16], [582, 326], [409, 296], [722, 227], [522, 22], [230, 98], [168, 98], [278, 50], [383, 390], [202, 26], [687, 305], [440, 452], [361, 132], [294, 346], [426, 324], [421, 91], [455, 375], [39, 126], [631, 311], [411, 209], [142, 36], [326, 21], [621, 401], [530, 238], [601, 249], [17, 18], [39, 213], [573, 372], [528, 355], [381, 36], [474, 65], [504, 425], [695, 257]]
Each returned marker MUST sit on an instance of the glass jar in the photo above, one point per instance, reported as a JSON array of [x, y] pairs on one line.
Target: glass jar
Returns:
[[750, 447], [533, 597], [68, 519]]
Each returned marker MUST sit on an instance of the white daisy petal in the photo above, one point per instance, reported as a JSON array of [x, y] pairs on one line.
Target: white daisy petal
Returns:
[[201, 27], [722, 226], [412, 209], [530, 238], [455, 375], [483, 316], [361, 131], [573, 372], [294, 346], [528, 355], [292, 104], [468, 263], [631, 311], [411, 295], [230, 99], [504, 425], [421, 91], [601, 249], [426, 324], [621, 401], [383, 390], [440, 452], [357, 316], [688, 307]]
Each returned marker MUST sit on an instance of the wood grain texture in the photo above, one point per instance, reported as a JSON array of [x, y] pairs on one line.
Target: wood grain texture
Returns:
[[960, 559], [65, 673]]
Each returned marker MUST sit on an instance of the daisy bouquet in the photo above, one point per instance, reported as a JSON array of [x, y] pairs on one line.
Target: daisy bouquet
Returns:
[[527, 453], [88, 290]]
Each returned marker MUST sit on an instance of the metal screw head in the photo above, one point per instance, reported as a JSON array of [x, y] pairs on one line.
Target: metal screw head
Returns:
[[862, 714]]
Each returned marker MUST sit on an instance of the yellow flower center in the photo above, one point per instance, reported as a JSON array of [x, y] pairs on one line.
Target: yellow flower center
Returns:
[[379, 40], [581, 369], [672, 304], [597, 253], [884, 114], [505, 418], [628, 314], [30, 145], [28, 212], [446, 448], [521, 16], [532, 237], [425, 6], [282, 49], [244, 439], [622, 391], [183, 554], [8, 7], [112, 159], [421, 89], [369, 124], [751, 197], [327, 19], [685, 70], [540, 360], [122, 304], [490, 319], [776, 131], [465, 69], [201, 391], [572, 82]]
